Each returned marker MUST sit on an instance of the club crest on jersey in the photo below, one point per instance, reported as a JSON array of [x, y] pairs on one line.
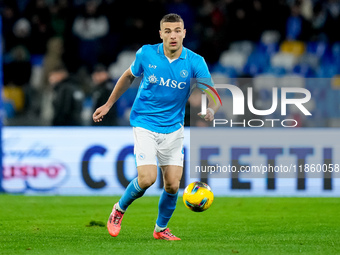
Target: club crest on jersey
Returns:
[[153, 79], [141, 156], [184, 73]]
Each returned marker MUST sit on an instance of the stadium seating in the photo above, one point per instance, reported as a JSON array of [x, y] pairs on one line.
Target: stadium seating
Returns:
[[310, 65], [336, 82], [304, 70], [296, 48], [228, 71], [234, 59], [16, 96], [333, 104], [284, 60], [292, 80], [124, 60], [265, 82], [318, 48], [220, 78], [257, 63], [245, 47]]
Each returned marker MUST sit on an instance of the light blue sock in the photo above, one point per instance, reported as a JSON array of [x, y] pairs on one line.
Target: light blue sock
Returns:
[[166, 206], [132, 192]]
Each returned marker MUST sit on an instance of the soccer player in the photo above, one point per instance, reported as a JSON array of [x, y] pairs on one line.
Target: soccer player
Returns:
[[157, 117]]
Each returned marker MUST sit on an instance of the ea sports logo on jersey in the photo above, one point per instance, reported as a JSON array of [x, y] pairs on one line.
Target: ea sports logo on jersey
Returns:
[[184, 73]]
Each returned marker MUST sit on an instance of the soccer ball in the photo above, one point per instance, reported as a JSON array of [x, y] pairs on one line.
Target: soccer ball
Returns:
[[198, 196]]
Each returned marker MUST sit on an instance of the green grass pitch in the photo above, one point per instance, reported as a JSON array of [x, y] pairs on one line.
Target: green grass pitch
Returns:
[[233, 225]]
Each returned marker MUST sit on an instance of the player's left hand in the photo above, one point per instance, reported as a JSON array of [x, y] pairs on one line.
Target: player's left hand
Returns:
[[209, 116]]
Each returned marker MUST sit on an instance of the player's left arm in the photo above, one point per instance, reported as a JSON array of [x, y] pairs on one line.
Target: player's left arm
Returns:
[[213, 105], [205, 82]]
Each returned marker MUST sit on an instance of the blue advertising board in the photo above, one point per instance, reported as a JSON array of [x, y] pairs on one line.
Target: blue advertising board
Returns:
[[100, 161]]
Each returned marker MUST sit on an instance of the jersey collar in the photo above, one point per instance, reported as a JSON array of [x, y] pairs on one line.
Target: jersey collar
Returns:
[[183, 55]]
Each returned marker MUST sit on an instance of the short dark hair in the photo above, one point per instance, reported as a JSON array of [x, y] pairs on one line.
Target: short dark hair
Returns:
[[171, 17]]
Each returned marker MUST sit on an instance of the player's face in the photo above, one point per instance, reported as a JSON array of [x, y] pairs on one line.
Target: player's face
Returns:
[[172, 34]]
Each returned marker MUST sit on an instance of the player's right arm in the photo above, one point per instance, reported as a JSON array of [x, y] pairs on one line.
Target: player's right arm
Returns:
[[122, 85]]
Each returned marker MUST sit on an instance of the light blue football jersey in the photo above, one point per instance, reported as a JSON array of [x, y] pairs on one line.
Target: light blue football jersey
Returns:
[[165, 87]]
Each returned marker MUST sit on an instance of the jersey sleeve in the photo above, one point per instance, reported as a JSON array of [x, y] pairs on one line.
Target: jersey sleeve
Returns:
[[201, 74], [200, 68], [137, 67]]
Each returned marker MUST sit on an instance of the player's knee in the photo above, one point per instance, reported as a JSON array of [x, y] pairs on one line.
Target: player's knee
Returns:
[[171, 188], [146, 181]]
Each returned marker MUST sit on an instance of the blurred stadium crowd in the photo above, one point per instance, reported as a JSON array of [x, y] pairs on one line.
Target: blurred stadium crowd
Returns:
[[62, 57]]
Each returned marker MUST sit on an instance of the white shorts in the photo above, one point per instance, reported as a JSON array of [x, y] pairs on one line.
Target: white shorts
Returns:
[[150, 146]]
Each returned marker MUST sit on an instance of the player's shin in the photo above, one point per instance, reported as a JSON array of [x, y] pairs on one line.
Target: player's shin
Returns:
[[166, 207], [132, 192]]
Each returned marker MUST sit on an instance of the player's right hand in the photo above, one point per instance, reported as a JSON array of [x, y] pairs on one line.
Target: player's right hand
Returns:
[[100, 112]]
